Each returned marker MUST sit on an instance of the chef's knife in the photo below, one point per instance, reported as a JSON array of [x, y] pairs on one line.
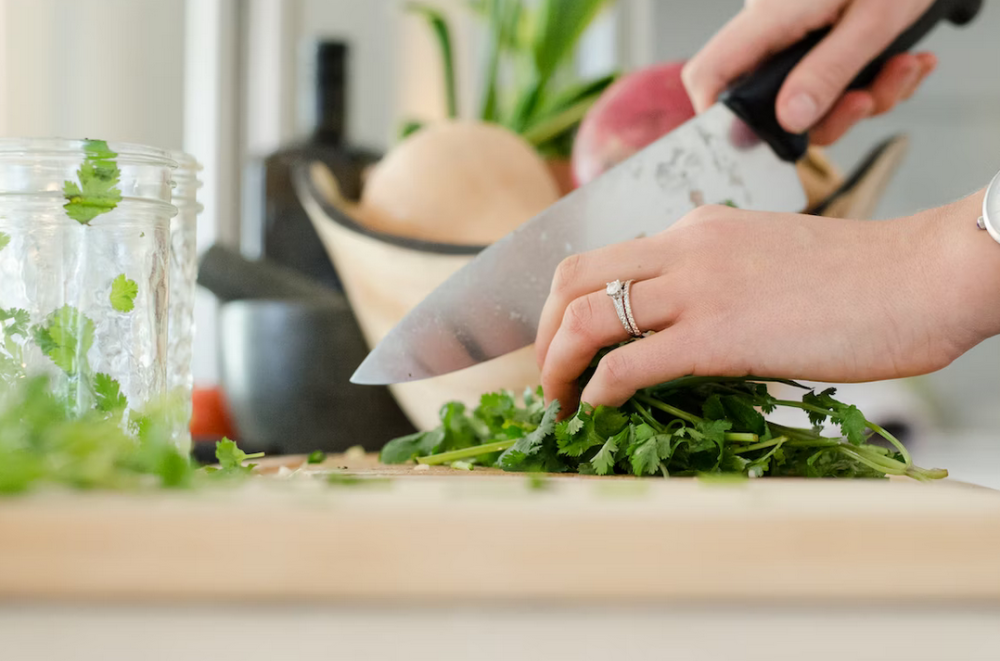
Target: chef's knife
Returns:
[[734, 152]]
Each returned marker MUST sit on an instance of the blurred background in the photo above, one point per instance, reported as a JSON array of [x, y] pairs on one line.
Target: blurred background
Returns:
[[234, 82]]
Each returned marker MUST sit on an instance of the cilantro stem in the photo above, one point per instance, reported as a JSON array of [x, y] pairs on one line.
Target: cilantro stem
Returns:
[[892, 439], [667, 408], [734, 437], [763, 444], [255, 455], [465, 453], [871, 425], [881, 464], [648, 417], [806, 407]]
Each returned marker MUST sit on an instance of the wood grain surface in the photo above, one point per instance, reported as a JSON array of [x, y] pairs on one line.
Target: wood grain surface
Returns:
[[445, 534]]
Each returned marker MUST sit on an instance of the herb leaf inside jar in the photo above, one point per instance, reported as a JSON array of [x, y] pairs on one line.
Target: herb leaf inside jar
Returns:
[[123, 293], [97, 191], [4, 240]]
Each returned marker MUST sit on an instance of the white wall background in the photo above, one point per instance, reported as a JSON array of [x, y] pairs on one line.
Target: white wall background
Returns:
[[81, 68]]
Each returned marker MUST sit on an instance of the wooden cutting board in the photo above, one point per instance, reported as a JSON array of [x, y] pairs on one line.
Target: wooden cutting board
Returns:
[[444, 534]]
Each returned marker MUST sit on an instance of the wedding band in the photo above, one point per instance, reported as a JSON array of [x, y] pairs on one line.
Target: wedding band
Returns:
[[619, 293]]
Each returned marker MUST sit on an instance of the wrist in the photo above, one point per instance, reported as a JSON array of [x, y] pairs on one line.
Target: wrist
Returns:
[[966, 268]]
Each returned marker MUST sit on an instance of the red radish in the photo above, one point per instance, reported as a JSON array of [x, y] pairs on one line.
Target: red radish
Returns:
[[638, 109]]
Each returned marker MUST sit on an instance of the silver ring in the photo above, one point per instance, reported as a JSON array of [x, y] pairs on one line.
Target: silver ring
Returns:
[[619, 293]]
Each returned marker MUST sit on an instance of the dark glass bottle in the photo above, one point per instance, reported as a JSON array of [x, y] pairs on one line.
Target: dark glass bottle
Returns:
[[286, 235]]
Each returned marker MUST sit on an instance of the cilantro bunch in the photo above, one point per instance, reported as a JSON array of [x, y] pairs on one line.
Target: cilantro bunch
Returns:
[[690, 426], [43, 443]]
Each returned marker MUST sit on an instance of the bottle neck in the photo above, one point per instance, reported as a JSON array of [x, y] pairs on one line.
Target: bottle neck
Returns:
[[330, 93]]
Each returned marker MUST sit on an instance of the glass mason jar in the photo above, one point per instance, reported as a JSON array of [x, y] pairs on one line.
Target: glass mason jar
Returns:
[[84, 249], [183, 274]]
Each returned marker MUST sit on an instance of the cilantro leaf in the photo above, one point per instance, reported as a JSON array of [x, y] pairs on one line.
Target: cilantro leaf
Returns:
[[646, 457], [742, 414], [715, 430], [66, 337], [231, 458], [407, 448], [853, 424], [108, 392], [97, 191], [713, 408], [823, 400], [4, 240], [123, 293], [609, 421], [531, 444], [604, 461], [316, 457]]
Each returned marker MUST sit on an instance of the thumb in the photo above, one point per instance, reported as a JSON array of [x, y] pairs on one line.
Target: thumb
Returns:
[[815, 85]]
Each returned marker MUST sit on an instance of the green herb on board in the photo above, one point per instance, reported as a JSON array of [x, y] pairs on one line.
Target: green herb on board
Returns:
[[97, 191], [693, 426], [231, 459], [316, 457], [123, 293]]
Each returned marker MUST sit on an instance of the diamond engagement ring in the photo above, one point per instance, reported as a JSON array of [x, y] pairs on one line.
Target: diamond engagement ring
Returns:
[[619, 293]]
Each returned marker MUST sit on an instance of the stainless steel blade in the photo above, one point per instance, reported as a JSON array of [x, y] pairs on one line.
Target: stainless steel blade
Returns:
[[492, 306]]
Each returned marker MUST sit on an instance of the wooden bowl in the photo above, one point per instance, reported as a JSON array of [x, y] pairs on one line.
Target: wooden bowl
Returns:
[[385, 276]]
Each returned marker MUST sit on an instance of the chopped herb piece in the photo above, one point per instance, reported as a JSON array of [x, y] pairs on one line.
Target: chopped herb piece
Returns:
[[123, 293], [316, 457], [97, 191]]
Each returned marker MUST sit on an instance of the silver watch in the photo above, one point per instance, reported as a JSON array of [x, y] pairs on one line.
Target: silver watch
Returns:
[[990, 220]]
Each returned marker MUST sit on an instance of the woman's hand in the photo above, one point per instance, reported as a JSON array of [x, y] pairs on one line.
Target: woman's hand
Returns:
[[733, 293], [813, 95]]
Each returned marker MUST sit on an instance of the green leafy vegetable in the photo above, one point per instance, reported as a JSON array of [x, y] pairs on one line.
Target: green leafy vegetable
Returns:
[[123, 293], [41, 442], [529, 86], [97, 191], [66, 337], [14, 325], [658, 432], [109, 395], [231, 459]]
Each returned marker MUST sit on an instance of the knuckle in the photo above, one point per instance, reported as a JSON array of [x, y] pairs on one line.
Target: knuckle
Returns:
[[614, 371], [579, 318], [566, 274], [690, 73]]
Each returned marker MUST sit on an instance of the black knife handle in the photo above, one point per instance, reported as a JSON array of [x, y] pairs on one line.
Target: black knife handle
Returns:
[[754, 96]]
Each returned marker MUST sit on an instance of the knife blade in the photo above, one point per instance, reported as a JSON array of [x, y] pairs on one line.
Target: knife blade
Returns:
[[734, 152]]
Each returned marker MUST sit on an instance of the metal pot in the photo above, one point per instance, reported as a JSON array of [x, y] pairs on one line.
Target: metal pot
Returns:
[[285, 367]]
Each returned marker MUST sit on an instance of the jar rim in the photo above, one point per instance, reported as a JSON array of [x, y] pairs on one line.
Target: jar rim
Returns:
[[128, 152]]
